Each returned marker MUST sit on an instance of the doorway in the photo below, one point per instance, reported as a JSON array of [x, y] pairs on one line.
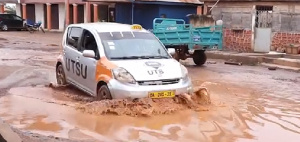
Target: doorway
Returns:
[[263, 28]]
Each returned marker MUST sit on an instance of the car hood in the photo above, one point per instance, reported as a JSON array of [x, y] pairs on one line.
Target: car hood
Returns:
[[151, 69]]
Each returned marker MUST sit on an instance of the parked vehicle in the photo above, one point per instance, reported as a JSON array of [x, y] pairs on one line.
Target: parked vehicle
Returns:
[[11, 21], [188, 41], [32, 27], [110, 60]]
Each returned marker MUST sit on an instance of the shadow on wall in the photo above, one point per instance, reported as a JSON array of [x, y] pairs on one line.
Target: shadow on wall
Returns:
[[2, 139], [201, 20]]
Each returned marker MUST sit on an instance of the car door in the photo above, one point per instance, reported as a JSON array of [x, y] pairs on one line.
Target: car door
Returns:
[[71, 53], [6, 20], [11, 21], [87, 65], [18, 21]]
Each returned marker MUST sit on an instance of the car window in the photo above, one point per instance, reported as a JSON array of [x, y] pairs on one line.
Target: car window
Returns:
[[73, 36], [4, 16], [128, 44], [17, 18], [89, 43], [9, 16]]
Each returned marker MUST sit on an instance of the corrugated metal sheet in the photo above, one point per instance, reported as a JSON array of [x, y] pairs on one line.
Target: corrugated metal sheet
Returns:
[[176, 1], [9, 1]]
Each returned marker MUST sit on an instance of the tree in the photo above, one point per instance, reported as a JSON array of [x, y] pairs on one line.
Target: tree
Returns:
[[10, 9]]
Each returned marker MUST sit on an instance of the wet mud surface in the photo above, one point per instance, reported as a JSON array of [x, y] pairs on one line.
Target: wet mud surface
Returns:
[[247, 103]]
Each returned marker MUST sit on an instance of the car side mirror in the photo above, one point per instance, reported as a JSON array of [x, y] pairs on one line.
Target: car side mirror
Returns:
[[88, 53], [171, 51]]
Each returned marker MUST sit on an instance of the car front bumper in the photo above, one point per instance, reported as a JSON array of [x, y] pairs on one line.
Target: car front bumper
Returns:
[[121, 90]]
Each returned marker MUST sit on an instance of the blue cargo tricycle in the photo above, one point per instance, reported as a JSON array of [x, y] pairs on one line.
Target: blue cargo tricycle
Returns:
[[187, 40]]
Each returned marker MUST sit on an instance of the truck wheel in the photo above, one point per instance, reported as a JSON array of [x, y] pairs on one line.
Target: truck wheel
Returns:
[[60, 75], [199, 57], [103, 93], [176, 56]]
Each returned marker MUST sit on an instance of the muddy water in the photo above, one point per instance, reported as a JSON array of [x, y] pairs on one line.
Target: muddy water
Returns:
[[245, 115], [248, 103]]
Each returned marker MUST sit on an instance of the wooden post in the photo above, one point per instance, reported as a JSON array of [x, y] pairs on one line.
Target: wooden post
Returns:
[[95, 12], [67, 7], [88, 11], [2, 8], [199, 10], [75, 14], [205, 10], [24, 11], [49, 16]]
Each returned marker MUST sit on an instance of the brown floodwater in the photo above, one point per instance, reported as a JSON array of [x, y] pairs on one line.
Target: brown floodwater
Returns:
[[241, 116]]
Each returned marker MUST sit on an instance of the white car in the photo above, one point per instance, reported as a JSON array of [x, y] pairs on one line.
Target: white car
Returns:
[[119, 61]]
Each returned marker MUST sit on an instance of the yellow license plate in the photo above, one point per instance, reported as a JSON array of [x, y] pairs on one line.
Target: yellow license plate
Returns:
[[162, 94]]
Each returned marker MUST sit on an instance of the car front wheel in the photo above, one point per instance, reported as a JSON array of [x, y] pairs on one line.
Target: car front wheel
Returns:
[[103, 93], [60, 75]]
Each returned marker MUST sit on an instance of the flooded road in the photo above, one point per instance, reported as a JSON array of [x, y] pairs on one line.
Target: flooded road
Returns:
[[249, 103]]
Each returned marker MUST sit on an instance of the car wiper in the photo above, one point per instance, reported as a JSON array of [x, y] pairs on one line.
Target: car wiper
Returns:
[[141, 57], [126, 57], [154, 57]]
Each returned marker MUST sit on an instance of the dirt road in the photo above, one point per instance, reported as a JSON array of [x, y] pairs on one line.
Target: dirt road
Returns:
[[249, 103]]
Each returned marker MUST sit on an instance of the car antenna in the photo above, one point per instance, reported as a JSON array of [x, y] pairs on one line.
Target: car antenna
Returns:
[[132, 33]]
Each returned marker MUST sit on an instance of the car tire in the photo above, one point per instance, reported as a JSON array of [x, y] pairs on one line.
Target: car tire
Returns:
[[60, 75], [4, 28], [103, 93], [199, 57]]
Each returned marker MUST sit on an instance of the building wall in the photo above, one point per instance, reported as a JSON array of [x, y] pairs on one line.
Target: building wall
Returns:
[[177, 11], [147, 10], [123, 13], [18, 10], [238, 24], [62, 16], [39, 13]]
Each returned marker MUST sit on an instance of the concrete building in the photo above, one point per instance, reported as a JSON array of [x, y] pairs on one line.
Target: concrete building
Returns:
[[258, 25], [53, 13]]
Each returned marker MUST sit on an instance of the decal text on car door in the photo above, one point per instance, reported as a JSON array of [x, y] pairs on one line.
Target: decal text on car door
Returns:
[[76, 67]]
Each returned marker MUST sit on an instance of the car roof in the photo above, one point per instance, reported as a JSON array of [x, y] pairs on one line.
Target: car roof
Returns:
[[107, 27]]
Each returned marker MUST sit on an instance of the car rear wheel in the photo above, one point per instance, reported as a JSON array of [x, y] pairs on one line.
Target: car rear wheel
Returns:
[[4, 28], [103, 93], [60, 75]]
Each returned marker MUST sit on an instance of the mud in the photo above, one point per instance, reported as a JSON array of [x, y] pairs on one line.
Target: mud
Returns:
[[138, 107]]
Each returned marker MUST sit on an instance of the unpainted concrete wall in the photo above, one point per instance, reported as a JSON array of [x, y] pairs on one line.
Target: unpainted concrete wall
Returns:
[[286, 18], [201, 20], [233, 16]]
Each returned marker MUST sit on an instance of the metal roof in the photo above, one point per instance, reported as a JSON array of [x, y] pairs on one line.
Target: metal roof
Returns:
[[178, 1], [174, 1], [9, 1]]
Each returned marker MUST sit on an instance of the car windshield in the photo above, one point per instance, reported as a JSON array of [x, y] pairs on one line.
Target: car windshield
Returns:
[[132, 45]]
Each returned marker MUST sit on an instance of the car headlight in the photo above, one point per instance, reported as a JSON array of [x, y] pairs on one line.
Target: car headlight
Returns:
[[123, 75], [184, 72]]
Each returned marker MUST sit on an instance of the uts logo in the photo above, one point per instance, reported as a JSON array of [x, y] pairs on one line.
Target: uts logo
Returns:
[[155, 65]]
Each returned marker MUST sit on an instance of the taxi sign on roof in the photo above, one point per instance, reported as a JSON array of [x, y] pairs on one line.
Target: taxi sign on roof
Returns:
[[136, 27]]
